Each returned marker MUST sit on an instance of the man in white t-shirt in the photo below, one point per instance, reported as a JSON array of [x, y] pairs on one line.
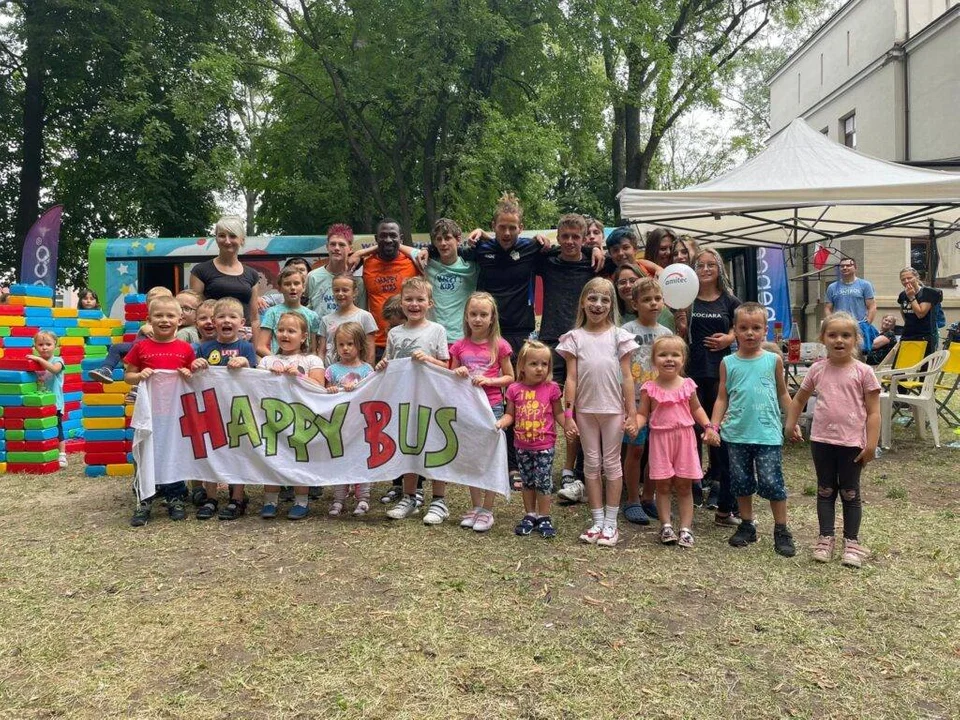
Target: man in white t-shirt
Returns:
[[851, 294]]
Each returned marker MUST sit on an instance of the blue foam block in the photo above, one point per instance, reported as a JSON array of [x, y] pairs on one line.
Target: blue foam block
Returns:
[[37, 314], [17, 342], [105, 435], [98, 340], [103, 411], [95, 470], [11, 401], [16, 376], [45, 434], [72, 396], [31, 290], [135, 298], [90, 314]]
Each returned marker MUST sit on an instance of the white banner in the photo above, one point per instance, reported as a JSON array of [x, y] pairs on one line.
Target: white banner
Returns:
[[256, 427]]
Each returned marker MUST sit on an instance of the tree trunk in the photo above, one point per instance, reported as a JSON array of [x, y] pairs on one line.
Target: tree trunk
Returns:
[[618, 175], [250, 199], [28, 202]]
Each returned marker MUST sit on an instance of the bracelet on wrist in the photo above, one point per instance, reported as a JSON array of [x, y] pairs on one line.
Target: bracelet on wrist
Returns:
[[712, 426], [568, 413]]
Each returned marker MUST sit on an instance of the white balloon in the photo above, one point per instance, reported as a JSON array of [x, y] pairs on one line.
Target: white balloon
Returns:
[[680, 285]]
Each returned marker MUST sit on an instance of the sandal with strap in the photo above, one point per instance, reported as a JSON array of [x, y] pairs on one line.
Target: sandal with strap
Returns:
[[516, 483], [233, 510], [362, 508], [207, 509]]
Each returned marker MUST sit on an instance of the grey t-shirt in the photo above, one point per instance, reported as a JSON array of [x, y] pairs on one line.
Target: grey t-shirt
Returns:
[[430, 337], [320, 291]]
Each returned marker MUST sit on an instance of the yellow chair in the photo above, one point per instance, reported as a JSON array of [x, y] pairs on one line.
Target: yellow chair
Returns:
[[951, 367], [906, 354]]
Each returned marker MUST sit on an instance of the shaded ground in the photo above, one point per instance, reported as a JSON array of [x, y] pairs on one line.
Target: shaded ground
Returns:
[[372, 619]]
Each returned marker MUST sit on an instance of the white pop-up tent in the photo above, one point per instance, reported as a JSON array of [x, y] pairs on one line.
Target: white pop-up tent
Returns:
[[804, 188]]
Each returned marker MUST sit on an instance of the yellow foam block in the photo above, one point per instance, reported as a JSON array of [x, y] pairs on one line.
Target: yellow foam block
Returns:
[[128, 411], [103, 398], [71, 341], [117, 387], [3, 468], [105, 423], [120, 469], [64, 312], [12, 321], [88, 323], [28, 301], [98, 331]]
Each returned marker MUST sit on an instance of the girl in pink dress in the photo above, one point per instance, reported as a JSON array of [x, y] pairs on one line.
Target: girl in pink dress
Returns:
[[599, 386], [670, 405]]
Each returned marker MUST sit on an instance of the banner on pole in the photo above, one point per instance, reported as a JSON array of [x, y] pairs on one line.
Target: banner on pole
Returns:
[[40, 250], [773, 290], [256, 427]]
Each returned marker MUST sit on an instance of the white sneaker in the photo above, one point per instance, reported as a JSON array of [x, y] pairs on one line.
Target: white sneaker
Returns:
[[406, 507], [609, 537], [63, 460], [436, 513], [591, 535], [572, 491], [362, 508], [469, 518], [483, 522]]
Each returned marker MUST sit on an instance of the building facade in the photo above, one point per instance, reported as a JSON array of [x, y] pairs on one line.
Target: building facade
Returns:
[[882, 77]]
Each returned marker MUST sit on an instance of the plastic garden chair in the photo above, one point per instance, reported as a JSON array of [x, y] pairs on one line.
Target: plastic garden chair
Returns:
[[905, 354], [951, 367], [924, 403]]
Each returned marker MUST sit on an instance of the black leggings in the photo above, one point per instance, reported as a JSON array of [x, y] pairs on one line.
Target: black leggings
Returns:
[[707, 389], [837, 474]]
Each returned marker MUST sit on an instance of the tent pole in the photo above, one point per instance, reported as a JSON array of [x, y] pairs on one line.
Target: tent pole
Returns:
[[806, 282]]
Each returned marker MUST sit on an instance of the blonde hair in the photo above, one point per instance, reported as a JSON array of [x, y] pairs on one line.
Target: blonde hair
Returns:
[[508, 205], [494, 340], [417, 283], [843, 318], [225, 305], [207, 305], [645, 284], [391, 308], [301, 323], [47, 334], [158, 292], [528, 348], [357, 334], [163, 300], [232, 225], [191, 293], [598, 285], [667, 340], [290, 271], [723, 285]]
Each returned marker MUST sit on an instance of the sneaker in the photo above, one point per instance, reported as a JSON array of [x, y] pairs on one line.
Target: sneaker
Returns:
[[469, 518], [783, 542], [268, 511], [730, 520], [545, 528], [667, 535], [484, 522], [232, 510], [823, 550], [609, 537], [62, 459], [362, 508], [853, 553], [634, 513], [406, 507], [713, 497], [103, 374], [745, 534], [526, 526], [141, 514], [298, 512], [315, 492], [697, 495], [176, 510], [685, 538], [392, 495], [131, 397], [591, 535], [336, 508], [418, 498], [207, 509], [572, 492], [437, 513]]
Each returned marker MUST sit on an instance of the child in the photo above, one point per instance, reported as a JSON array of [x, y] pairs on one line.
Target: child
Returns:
[[189, 303], [453, 278], [291, 284], [344, 290], [88, 300], [206, 327], [624, 279], [647, 298], [291, 358], [51, 377], [484, 357], [353, 343], [424, 341], [594, 235], [843, 438], [162, 351], [669, 404], [751, 396], [228, 350], [117, 351], [534, 408], [599, 385]]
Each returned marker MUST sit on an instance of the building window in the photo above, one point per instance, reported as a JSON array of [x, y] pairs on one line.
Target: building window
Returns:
[[848, 130]]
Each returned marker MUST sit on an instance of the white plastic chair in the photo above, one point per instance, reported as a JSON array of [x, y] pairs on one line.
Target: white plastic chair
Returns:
[[924, 403]]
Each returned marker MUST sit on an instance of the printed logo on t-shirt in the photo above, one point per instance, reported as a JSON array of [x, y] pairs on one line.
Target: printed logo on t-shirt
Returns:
[[530, 426], [446, 281], [405, 348]]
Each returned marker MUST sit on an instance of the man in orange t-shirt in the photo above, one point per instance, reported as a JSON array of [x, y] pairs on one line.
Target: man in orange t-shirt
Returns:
[[383, 274]]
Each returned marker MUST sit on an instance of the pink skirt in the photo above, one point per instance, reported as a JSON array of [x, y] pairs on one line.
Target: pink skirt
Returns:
[[673, 453]]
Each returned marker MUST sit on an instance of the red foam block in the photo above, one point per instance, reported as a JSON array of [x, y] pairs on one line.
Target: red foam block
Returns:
[[30, 412], [32, 445], [34, 468]]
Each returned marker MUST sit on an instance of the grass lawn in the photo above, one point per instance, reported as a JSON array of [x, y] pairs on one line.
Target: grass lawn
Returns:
[[368, 618]]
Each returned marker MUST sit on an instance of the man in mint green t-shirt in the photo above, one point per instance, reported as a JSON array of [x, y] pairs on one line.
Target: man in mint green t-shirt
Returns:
[[453, 278]]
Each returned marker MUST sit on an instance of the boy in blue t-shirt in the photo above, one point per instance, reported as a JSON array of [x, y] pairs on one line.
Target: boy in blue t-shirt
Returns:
[[229, 351]]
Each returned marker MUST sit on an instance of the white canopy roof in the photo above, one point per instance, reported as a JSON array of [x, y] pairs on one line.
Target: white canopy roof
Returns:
[[804, 188]]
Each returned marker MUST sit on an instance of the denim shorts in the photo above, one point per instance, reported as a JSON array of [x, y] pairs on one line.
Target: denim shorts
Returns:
[[640, 439], [756, 469]]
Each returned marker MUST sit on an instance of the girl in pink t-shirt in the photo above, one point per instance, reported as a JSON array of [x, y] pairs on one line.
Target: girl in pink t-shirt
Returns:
[[599, 386], [670, 406], [844, 434], [484, 357]]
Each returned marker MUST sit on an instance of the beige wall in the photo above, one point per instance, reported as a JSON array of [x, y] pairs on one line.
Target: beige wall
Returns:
[[934, 92]]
